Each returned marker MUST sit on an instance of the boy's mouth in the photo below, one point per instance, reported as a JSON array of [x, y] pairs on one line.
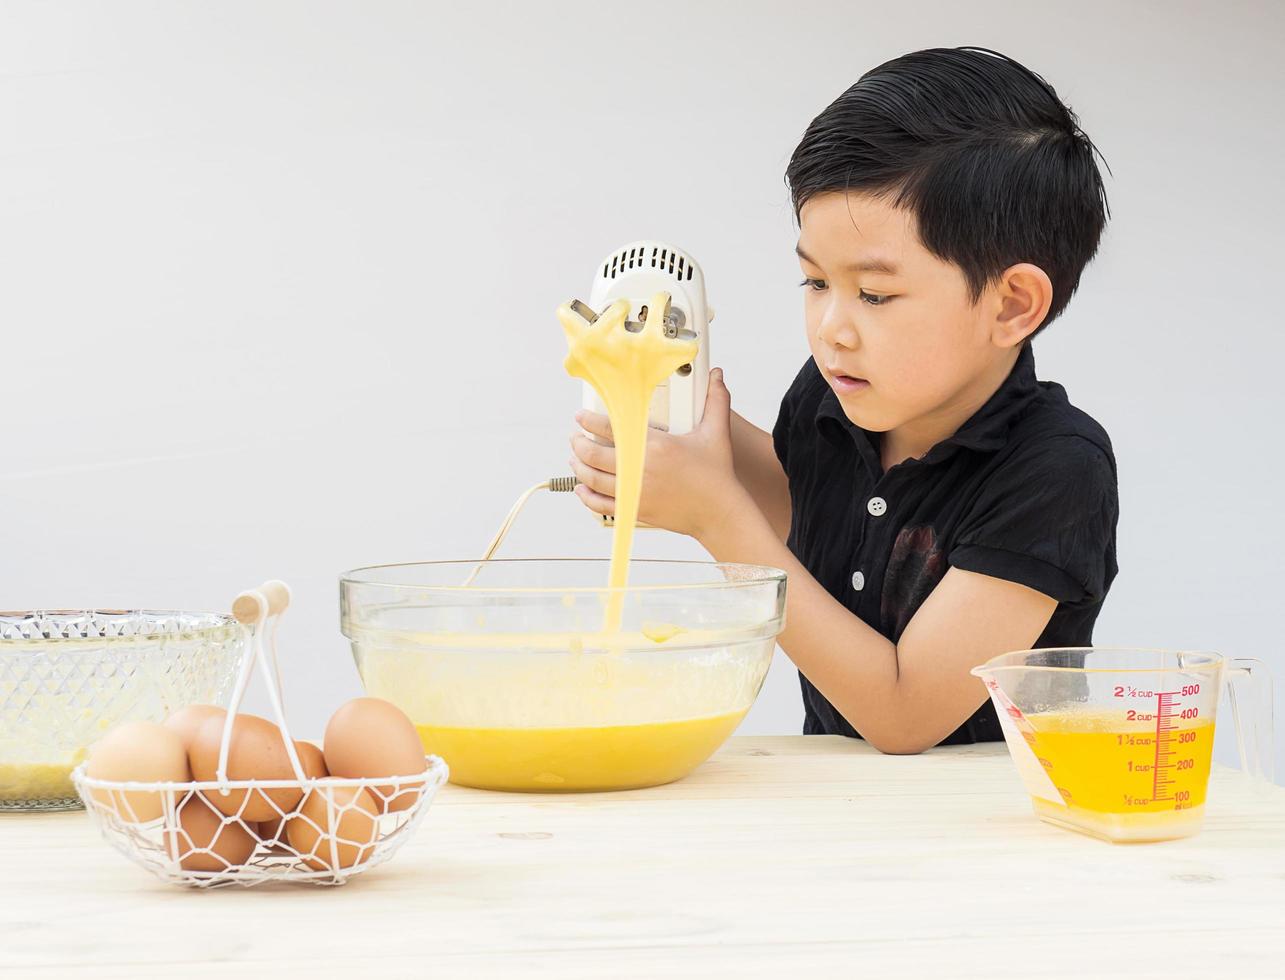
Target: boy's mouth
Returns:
[[847, 383]]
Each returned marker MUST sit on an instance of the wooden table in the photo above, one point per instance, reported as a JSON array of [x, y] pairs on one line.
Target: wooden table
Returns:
[[782, 857]]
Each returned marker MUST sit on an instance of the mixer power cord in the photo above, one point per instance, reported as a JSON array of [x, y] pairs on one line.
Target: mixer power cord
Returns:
[[559, 484]]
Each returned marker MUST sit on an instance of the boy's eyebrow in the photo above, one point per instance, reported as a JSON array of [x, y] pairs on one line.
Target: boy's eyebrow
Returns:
[[865, 265]]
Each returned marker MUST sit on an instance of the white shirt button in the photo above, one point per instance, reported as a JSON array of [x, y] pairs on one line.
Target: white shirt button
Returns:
[[877, 506], [858, 581]]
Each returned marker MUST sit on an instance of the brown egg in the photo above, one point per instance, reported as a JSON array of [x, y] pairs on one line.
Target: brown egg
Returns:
[[226, 840], [267, 831], [367, 738], [139, 751], [256, 751], [186, 721], [353, 828], [314, 767], [312, 759]]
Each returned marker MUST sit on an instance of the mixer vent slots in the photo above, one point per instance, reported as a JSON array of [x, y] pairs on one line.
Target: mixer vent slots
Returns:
[[672, 262], [623, 261], [666, 260]]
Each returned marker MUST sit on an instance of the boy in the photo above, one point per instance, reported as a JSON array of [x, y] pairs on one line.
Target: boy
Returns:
[[933, 503]]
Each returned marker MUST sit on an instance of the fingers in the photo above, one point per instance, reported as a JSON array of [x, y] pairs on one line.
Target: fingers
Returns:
[[594, 423], [593, 454], [718, 403], [595, 480], [594, 466], [596, 502]]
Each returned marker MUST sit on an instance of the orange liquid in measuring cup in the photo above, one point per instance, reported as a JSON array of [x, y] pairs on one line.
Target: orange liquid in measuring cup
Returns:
[[606, 757], [1123, 780]]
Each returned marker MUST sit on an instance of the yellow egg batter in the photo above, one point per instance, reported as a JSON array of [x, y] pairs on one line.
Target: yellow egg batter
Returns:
[[36, 767], [624, 368], [608, 757], [34, 781]]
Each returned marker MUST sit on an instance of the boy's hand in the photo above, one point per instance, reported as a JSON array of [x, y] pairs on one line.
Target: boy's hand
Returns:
[[687, 479]]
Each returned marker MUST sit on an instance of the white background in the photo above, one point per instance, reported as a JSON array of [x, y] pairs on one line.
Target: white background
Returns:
[[277, 281]]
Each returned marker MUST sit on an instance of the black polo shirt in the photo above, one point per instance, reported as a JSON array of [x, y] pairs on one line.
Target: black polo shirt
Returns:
[[1024, 491]]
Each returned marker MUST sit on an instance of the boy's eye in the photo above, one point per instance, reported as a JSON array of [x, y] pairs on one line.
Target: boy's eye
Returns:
[[871, 299]]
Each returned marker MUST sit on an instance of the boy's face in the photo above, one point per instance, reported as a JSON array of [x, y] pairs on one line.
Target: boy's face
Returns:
[[891, 326]]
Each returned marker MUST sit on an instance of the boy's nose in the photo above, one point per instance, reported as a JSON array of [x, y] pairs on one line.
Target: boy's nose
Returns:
[[837, 330]]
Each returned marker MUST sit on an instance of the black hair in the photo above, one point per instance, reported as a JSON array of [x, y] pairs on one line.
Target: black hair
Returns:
[[980, 149]]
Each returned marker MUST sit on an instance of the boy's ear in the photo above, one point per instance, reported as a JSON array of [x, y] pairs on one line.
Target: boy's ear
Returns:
[[1024, 294]]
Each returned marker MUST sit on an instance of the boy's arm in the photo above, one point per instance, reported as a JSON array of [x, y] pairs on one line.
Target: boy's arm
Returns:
[[759, 471], [903, 697]]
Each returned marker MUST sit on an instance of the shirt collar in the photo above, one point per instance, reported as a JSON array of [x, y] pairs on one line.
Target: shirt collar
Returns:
[[986, 431]]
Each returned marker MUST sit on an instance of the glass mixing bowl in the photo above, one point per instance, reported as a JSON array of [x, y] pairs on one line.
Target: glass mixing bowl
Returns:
[[68, 676], [514, 681]]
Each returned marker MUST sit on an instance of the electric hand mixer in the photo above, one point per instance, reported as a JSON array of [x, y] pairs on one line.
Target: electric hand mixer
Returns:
[[634, 273]]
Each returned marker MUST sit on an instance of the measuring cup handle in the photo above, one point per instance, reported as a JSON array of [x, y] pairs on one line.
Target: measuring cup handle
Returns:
[[1249, 694]]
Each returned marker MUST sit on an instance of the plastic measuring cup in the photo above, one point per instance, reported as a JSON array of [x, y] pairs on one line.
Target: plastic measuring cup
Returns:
[[1117, 743]]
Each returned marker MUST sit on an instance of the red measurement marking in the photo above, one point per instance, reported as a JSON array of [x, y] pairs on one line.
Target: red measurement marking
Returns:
[[1162, 776]]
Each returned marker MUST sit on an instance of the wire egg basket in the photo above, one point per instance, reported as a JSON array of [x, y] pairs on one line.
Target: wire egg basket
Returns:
[[319, 830]]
